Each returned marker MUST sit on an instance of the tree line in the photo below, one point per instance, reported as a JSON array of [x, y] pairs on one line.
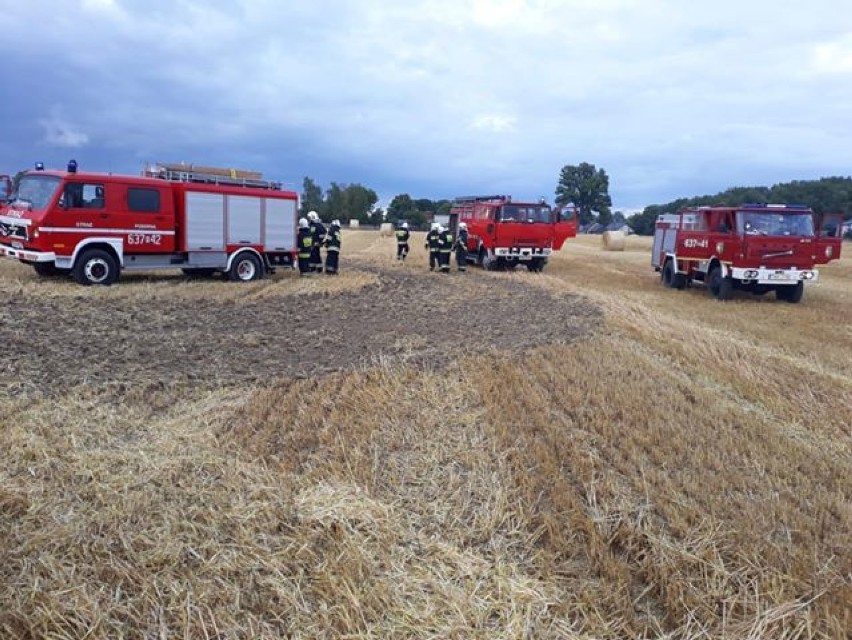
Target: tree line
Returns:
[[826, 195], [584, 186]]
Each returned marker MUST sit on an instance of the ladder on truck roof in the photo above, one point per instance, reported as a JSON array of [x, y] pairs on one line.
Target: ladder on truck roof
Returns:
[[209, 175], [483, 199]]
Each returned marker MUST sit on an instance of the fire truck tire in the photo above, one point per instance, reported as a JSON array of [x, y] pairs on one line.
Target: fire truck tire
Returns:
[[245, 268], [95, 266], [49, 270], [668, 274], [792, 294], [535, 265], [488, 261], [722, 288]]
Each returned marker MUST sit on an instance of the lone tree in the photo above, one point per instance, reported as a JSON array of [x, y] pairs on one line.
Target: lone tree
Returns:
[[588, 189]]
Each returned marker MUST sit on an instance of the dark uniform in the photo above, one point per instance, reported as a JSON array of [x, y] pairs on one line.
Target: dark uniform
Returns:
[[433, 243], [402, 237], [461, 250], [332, 249], [305, 241], [445, 248], [318, 232]]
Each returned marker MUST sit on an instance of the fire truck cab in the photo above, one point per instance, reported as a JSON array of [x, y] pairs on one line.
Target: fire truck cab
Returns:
[[503, 233], [95, 225], [753, 247]]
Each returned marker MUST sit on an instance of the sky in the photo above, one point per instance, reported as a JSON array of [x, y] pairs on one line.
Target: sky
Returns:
[[436, 98]]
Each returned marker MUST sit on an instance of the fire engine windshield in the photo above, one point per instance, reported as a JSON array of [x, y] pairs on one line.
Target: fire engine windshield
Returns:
[[525, 213], [775, 224], [35, 192]]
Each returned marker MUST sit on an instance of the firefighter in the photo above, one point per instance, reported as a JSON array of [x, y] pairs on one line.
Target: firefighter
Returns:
[[305, 241], [318, 232], [461, 247], [402, 236], [433, 245], [332, 248], [445, 248]]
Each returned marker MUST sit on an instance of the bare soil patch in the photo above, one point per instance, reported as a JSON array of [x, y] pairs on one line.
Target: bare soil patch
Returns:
[[418, 317]]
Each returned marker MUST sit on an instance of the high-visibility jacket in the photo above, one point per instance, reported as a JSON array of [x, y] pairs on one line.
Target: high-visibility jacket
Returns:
[[318, 232], [402, 236], [461, 240], [433, 241], [332, 242], [305, 241], [445, 241]]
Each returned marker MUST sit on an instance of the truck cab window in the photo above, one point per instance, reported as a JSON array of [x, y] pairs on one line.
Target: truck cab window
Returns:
[[143, 200], [83, 196]]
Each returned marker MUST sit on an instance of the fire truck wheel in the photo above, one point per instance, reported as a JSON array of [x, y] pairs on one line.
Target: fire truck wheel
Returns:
[[488, 261], [791, 294], [668, 274], [721, 288], [246, 267], [535, 265], [95, 266]]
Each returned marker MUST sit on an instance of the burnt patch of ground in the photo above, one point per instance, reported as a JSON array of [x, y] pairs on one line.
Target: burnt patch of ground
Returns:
[[422, 318]]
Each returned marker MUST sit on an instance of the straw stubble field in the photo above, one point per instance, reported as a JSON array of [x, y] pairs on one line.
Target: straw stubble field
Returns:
[[393, 453]]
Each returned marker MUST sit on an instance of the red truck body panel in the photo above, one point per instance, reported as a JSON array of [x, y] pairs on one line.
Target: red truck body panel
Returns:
[[146, 222], [757, 248], [501, 231]]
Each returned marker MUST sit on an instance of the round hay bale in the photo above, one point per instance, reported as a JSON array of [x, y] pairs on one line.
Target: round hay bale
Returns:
[[354, 224], [613, 241], [386, 229]]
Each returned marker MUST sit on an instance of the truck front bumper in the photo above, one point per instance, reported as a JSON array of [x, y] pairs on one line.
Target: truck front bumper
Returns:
[[764, 275], [26, 255], [522, 253]]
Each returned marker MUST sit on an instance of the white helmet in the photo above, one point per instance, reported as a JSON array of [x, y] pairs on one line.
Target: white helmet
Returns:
[[335, 223], [313, 216], [436, 226], [462, 225], [303, 222], [405, 225]]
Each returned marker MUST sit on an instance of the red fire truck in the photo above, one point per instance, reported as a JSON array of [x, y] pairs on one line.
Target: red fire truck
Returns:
[[503, 233], [95, 225], [754, 247]]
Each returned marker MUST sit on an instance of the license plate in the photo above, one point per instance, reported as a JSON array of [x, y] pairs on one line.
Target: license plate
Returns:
[[779, 275], [17, 245]]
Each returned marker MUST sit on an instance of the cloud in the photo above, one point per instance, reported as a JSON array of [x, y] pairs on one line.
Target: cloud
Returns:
[[60, 133], [494, 123], [834, 57], [444, 96]]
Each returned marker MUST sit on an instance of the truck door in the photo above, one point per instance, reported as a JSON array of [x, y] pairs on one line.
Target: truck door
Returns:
[[147, 215], [81, 212], [564, 226], [828, 228], [5, 188]]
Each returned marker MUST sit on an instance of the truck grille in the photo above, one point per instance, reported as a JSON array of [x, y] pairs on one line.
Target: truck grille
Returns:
[[13, 230]]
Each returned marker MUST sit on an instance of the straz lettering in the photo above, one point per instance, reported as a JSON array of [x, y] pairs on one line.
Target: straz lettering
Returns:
[[144, 238], [695, 243]]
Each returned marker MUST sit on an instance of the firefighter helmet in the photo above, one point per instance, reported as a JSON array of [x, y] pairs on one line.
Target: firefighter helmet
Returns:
[[335, 223], [405, 225], [436, 226], [462, 225], [303, 223], [313, 216]]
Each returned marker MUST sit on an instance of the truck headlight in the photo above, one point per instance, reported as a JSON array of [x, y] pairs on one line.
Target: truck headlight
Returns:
[[829, 251], [748, 275], [720, 247]]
